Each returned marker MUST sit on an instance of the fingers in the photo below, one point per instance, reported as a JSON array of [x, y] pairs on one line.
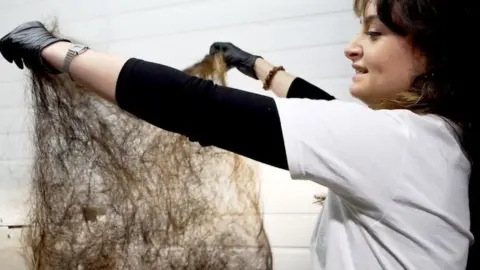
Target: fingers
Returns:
[[215, 47], [6, 56], [5, 50], [19, 63], [220, 47], [8, 52], [22, 44]]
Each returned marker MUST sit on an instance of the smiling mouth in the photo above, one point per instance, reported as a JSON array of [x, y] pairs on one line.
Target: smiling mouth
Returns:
[[359, 70]]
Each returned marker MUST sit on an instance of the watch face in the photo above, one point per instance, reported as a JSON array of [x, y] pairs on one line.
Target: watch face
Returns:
[[77, 48]]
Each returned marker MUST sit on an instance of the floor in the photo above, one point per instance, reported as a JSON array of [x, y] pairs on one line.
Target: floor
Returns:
[[10, 250]]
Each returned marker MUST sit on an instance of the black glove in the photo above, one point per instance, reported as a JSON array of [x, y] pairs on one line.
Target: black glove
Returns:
[[235, 57], [24, 44]]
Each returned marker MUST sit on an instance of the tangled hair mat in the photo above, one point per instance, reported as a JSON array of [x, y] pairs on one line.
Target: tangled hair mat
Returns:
[[112, 192]]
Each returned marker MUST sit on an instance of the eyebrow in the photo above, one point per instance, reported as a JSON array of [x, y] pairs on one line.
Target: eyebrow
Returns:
[[369, 19]]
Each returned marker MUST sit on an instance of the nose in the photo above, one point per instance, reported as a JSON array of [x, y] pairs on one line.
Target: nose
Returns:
[[353, 51]]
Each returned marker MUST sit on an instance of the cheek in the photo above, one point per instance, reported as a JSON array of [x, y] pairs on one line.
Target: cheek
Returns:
[[394, 77], [392, 72]]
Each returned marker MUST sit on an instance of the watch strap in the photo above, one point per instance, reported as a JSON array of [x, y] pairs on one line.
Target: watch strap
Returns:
[[74, 51]]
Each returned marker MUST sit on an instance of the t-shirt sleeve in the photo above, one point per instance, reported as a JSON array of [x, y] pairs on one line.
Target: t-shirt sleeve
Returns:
[[300, 88], [347, 147]]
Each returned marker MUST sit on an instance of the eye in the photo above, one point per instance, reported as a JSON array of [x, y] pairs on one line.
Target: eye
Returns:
[[373, 34]]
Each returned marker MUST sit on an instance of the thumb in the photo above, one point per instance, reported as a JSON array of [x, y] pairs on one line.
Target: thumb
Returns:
[[216, 47]]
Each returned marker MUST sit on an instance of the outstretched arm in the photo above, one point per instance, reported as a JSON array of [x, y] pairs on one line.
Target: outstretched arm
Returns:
[[97, 70], [175, 101], [287, 85], [178, 102], [283, 84]]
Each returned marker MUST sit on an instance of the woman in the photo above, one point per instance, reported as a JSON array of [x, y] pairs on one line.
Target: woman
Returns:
[[398, 170]]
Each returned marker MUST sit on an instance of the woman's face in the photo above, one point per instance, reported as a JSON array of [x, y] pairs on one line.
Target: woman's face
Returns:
[[384, 62]]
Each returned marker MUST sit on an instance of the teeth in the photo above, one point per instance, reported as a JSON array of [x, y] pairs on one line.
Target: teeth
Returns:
[[360, 70]]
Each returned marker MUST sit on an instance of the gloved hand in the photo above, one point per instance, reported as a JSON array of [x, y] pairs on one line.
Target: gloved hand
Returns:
[[235, 57], [24, 45]]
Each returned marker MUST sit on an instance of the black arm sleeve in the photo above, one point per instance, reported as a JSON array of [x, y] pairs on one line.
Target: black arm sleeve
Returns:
[[303, 89], [235, 120]]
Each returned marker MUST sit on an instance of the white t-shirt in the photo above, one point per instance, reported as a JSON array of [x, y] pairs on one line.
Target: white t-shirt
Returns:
[[398, 185]]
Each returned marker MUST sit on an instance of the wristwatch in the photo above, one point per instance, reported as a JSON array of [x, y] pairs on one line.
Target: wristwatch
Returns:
[[74, 51]]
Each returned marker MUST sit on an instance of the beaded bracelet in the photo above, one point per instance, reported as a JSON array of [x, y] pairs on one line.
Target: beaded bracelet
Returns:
[[271, 74]]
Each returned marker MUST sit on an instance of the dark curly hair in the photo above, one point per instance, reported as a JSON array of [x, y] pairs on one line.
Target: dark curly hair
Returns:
[[440, 30]]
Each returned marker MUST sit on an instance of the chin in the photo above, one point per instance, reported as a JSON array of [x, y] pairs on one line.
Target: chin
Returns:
[[359, 93], [356, 91]]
